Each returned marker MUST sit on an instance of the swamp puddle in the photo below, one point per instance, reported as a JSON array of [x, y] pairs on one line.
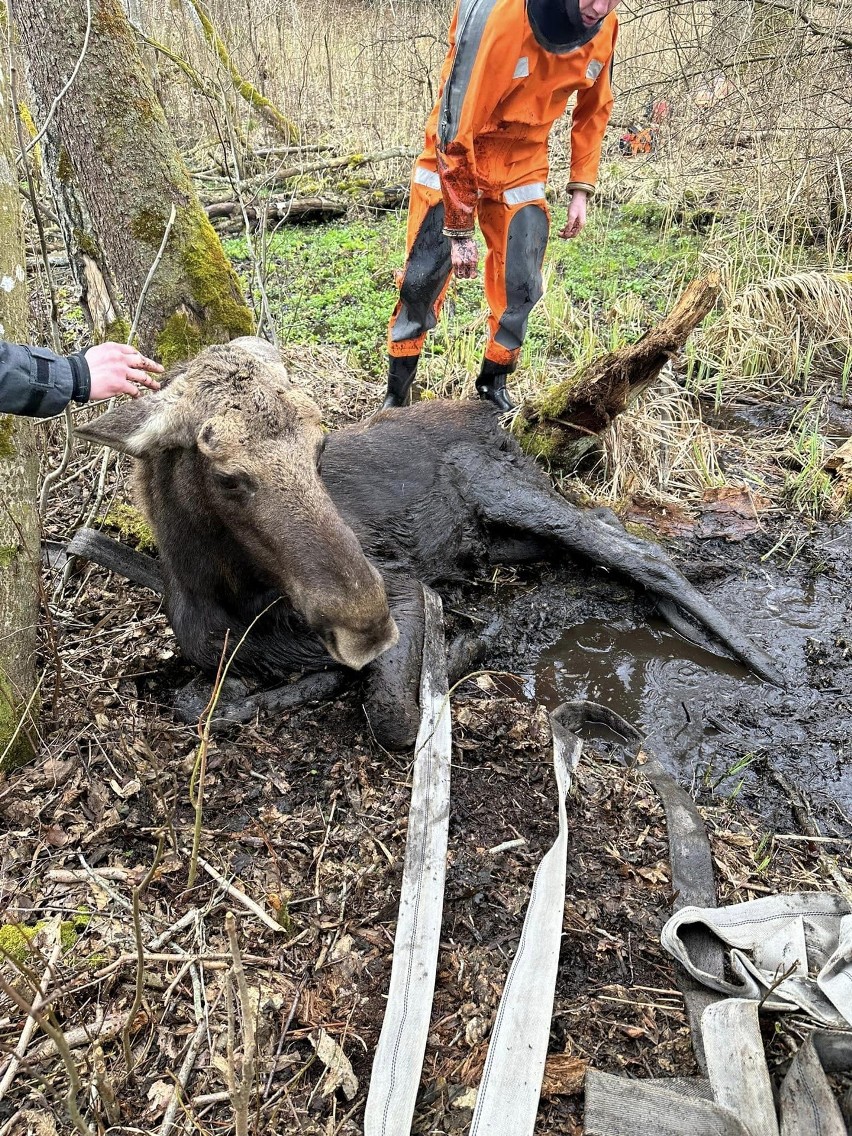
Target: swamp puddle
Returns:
[[706, 717]]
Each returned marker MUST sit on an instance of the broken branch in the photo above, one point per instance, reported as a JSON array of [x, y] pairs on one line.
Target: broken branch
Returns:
[[565, 421]]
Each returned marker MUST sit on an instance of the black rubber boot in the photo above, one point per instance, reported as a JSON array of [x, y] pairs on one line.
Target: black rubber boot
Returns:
[[401, 372], [491, 384]]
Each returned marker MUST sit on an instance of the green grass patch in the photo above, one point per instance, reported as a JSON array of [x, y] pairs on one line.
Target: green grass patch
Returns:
[[334, 284]]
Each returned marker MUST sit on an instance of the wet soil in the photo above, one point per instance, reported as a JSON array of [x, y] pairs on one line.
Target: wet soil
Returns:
[[719, 729]]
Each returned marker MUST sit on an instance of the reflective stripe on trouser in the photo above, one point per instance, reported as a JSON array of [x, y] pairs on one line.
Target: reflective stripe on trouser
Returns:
[[515, 230], [427, 271], [516, 235]]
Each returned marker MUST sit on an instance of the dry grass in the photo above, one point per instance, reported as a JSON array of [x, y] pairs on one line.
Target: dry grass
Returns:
[[783, 334]]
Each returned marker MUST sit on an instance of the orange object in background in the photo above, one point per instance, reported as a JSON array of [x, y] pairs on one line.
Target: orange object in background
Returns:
[[637, 141]]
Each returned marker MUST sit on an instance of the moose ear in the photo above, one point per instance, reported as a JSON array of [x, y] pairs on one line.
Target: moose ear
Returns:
[[259, 348], [142, 425]]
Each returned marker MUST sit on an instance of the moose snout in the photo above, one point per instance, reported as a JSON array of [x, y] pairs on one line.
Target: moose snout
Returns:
[[356, 647]]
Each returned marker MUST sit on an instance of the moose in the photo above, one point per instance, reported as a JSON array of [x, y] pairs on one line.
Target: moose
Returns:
[[306, 552]]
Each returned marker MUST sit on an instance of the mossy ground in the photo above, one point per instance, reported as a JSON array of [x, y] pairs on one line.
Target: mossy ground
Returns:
[[15, 745], [334, 284], [132, 526], [16, 938]]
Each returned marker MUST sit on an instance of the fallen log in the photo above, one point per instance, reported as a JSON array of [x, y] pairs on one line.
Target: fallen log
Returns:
[[565, 421], [230, 216]]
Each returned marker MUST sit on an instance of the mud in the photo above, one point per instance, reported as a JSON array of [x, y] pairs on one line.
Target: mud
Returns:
[[717, 728]]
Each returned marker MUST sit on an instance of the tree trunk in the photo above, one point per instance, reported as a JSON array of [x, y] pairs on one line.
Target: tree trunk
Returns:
[[19, 543], [115, 147], [564, 422]]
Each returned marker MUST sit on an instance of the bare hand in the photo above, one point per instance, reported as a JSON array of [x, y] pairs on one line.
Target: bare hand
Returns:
[[115, 368], [576, 215], [465, 257]]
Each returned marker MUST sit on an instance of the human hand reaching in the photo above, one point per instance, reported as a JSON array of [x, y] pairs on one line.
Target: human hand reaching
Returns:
[[116, 368]]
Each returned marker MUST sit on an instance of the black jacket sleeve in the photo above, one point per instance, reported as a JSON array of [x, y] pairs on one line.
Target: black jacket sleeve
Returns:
[[36, 382]]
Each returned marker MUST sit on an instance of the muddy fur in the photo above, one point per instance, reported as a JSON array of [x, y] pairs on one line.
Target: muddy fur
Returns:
[[430, 494]]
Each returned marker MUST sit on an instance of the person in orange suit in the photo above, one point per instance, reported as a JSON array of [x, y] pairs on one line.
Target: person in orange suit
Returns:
[[511, 68]]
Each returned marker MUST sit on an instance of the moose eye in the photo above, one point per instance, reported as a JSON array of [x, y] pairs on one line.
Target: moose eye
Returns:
[[232, 482]]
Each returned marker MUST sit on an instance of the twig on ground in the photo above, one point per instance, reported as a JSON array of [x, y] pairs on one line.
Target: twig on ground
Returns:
[[321, 854], [242, 898], [140, 953], [241, 1093], [185, 921], [63, 1049], [76, 875], [104, 1086], [102, 882], [183, 1076], [104, 1028], [199, 772]]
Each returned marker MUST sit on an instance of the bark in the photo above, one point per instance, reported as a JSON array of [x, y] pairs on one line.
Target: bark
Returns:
[[565, 421], [19, 543], [114, 147]]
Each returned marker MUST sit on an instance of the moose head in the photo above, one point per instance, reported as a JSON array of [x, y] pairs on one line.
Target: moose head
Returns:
[[237, 446]]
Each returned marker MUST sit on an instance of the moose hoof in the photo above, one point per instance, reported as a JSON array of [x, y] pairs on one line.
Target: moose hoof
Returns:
[[233, 705]]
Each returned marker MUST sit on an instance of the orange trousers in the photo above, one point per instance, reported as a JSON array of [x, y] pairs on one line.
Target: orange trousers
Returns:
[[515, 223]]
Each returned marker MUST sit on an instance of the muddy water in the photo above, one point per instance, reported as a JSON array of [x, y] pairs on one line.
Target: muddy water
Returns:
[[710, 721]]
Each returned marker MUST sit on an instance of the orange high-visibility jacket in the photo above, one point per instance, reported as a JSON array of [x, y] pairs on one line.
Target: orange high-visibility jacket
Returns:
[[501, 92]]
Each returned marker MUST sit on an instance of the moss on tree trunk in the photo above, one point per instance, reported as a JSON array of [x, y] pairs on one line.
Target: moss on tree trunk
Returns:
[[119, 152], [19, 545]]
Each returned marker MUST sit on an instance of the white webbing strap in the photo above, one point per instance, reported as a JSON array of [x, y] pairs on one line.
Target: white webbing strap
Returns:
[[736, 1065], [511, 1082], [402, 1044]]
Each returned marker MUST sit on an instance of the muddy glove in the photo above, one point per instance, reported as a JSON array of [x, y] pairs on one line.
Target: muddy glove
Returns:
[[465, 257]]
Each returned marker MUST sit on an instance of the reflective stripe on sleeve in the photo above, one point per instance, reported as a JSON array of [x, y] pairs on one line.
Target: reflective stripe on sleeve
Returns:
[[422, 176]]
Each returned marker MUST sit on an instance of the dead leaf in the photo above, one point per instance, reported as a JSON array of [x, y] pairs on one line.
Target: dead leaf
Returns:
[[55, 836], [564, 1075], [126, 791], [339, 1074], [730, 512], [33, 1122], [632, 1031], [668, 519], [466, 1099], [159, 1096]]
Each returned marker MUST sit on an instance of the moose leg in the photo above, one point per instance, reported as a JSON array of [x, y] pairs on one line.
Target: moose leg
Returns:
[[512, 497], [235, 704], [392, 681], [89, 544]]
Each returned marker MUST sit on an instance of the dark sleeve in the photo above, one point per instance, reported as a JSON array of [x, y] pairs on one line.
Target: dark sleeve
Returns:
[[38, 383]]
